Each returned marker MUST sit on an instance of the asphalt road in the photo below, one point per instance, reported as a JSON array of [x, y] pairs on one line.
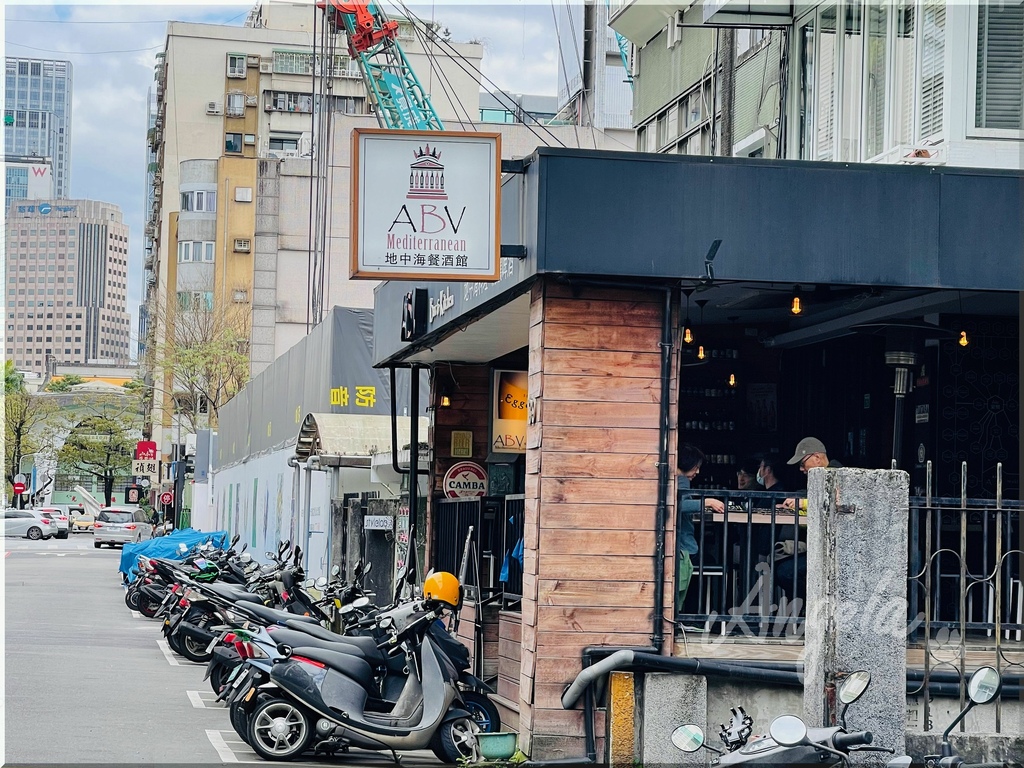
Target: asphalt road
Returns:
[[87, 681]]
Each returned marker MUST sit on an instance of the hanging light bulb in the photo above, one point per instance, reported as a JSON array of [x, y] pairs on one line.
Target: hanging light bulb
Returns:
[[796, 308], [964, 341], [687, 327], [732, 379], [700, 352]]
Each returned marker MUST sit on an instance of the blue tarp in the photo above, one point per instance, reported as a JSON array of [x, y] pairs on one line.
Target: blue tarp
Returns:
[[167, 546]]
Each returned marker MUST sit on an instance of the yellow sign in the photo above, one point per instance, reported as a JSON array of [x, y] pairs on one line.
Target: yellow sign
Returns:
[[509, 412], [462, 445]]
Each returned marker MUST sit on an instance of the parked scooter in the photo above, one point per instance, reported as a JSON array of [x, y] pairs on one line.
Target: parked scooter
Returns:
[[983, 687], [786, 745], [321, 698]]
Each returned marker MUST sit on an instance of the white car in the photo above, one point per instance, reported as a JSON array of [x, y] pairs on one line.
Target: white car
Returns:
[[29, 523], [121, 525], [60, 519]]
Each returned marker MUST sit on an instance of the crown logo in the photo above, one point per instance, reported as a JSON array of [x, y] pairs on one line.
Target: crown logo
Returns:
[[426, 175]]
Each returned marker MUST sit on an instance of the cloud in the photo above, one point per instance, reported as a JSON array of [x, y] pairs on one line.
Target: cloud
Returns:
[[112, 76]]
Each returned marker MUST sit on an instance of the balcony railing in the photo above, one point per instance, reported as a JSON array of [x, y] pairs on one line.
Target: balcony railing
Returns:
[[965, 575]]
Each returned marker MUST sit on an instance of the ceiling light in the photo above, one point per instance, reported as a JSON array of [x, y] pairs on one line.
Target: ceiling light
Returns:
[[796, 308]]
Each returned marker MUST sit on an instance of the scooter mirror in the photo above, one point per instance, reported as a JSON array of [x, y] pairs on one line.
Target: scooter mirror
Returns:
[[335, 570], [387, 622], [853, 687], [245, 557], [234, 539], [358, 570], [360, 602], [321, 582], [244, 547], [309, 583], [984, 685], [788, 730], [366, 569], [270, 555], [688, 738], [346, 609]]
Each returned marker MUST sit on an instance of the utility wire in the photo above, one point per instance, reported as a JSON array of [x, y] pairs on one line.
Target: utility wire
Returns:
[[583, 71], [446, 86], [471, 69], [81, 53], [565, 73]]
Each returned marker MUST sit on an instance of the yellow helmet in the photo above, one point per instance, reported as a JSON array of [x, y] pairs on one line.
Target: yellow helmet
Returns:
[[443, 587]]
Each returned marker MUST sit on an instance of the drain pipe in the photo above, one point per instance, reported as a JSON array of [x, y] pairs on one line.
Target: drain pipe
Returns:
[[658, 633]]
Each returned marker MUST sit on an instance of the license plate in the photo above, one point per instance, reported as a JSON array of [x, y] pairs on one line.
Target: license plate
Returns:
[[234, 673], [212, 645]]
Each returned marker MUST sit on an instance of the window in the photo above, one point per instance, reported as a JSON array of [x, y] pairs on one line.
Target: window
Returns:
[[236, 104], [199, 200], [933, 43], [233, 143], [825, 87], [236, 65], [875, 91], [184, 251], [1000, 80], [748, 40], [284, 142], [294, 63]]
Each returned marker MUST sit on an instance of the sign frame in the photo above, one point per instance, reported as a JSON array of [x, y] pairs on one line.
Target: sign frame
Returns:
[[502, 427], [358, 270], [454, 470]]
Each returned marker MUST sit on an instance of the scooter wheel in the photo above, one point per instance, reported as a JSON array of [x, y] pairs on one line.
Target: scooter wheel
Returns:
[[486, 715], [455, 741], [279, 730], [239, 721], [174, 643], [218, 675], [147, 606], [131, 599], [195, 650]]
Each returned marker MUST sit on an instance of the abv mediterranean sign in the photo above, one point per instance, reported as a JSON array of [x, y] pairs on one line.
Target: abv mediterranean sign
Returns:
[[425, 205], [465, 480]]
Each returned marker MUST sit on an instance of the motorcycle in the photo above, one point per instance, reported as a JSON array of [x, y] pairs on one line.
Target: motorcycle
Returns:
[[329, 699], [784, 745]]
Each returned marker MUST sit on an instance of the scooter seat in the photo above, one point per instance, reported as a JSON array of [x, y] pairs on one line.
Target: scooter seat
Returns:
[[272, 615], [293, 638], [351, 666], [229, 592], [365, 644]]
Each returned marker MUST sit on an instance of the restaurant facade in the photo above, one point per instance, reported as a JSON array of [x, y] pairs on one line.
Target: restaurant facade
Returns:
[[738, 305]]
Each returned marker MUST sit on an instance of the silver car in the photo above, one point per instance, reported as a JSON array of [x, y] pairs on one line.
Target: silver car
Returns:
[[59, 518], [121, 525], [28, 523]]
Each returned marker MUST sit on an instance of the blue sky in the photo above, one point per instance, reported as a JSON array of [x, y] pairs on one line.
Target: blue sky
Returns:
[[112, 46]]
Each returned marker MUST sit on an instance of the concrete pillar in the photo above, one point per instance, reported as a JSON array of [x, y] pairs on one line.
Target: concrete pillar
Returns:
[[857, 600], [668, 701]]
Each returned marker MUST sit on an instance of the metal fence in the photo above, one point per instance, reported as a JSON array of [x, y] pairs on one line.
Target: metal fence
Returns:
[[494, 566], [749, 573]]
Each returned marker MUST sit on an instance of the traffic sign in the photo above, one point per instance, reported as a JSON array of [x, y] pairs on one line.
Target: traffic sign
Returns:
[[19, 488], [166, 497], [19, 478]]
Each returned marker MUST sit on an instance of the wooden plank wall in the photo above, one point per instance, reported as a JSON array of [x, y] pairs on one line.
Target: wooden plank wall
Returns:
[[591, 494]]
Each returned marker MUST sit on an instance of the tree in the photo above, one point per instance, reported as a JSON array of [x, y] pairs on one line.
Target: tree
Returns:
[[205, 359], [102, 437], [14, 381], [64, 383], [28, 419]]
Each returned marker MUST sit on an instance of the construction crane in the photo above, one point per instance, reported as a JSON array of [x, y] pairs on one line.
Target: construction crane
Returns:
[[390, 80]]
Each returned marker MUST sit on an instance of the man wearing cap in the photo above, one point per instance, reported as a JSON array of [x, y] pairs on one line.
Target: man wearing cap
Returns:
[[810, 453]]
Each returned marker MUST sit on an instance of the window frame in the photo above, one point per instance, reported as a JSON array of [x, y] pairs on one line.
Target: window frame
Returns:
[[973, 130], [232, 73], [240, 144]]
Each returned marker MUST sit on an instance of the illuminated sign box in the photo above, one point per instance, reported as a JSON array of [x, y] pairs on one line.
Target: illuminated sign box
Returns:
[[425, 205]]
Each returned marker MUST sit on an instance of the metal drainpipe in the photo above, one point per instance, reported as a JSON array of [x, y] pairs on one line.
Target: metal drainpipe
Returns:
[[293, 462]]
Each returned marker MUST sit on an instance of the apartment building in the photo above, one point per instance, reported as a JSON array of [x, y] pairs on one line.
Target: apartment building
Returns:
[[917, 81], [37, 115], [67, 282]]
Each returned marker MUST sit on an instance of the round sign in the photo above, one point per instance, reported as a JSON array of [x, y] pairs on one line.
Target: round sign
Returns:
[[465, 480], [20, 478], [19, 488], [44, 208], [166, 497]]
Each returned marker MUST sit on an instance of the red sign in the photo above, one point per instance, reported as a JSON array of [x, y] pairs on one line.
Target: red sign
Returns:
[[19, 488], [166, 497], [145, 449], [465, 480]]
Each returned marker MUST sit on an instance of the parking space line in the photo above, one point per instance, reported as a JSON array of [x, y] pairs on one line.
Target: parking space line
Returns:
[[217, 740], [199, 701], [136, 615], [166, 650]]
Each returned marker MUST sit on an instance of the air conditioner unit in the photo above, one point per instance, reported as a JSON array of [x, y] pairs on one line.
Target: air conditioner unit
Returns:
[[252, 61], [249, 138], [213, 108], [242, 245], [266, 67]]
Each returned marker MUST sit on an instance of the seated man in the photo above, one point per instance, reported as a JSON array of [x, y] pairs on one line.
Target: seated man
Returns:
[[690, 459]]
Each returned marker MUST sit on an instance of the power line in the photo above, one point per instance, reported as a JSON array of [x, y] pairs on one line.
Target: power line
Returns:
[[81, 53], [73, 21]]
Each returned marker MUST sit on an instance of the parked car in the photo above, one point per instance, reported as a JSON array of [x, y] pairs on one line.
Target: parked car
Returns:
[[60, 519], [121, 525], [81, 522], [28, 523]]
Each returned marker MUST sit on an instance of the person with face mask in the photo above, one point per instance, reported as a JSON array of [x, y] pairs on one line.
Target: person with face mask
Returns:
[[766, 473]]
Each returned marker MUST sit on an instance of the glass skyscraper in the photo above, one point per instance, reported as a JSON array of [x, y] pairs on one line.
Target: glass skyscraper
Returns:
[[37, 115]]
